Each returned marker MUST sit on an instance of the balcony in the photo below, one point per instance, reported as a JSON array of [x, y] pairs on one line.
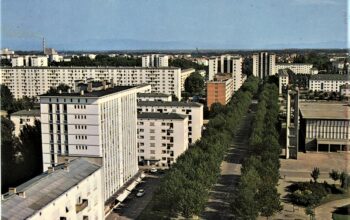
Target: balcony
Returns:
[[81, 206]]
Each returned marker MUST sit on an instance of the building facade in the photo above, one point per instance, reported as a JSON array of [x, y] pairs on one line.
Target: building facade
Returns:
[[219, 91], [155, 60], [297, 68], [264, 64], [162, 138], [71, 191], [283, 80], [193, 110], [225, 64], [185, 73], [33, 81], [24, 117], [325, 126], [154, 97], [328, 82], [100, 120]]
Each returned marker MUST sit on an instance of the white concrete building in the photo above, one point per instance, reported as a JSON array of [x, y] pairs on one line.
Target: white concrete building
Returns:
[[192, 109], [155, 60], [345, 90], [283, 80], [185, 73], [33, 81], [225, 64], [162, 137], [264, 64], [328, 82], [39, 61], [17, 61], [71, 191], [98, 121], [297, 68], [24, 117], [154, 97]]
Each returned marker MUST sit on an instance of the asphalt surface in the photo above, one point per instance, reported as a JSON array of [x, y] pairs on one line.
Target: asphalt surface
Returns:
[[218, 206], [132, 206]]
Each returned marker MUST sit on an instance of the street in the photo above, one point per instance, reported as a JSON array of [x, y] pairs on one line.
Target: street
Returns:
[[132, 205]]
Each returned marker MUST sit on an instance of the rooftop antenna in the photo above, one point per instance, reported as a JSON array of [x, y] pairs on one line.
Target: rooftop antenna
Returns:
[[44, 45]]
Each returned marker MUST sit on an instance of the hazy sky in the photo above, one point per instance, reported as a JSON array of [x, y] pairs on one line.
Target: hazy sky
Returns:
[[173, 24]]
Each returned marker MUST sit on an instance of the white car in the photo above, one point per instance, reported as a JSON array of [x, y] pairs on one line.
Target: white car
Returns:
[[140, 193], [153, 170]]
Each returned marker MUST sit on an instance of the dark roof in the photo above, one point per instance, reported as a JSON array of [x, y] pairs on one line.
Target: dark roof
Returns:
[[152, 95], [154, 115], [174, 104], [330, 77], [30, 112], [99, 93], [45, 188]]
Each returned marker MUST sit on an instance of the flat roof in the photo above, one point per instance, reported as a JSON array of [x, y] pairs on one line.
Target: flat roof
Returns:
[[155, 115], [45, 188], [87, 67], [296, 64], [29, 112], [330, 77], [325, 110], [172, 104], [153, 95], [96, 93]]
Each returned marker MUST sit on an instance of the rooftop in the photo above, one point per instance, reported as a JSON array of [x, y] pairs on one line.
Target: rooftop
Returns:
[[29, 112], [45, 188], [153, 95], [325, 110], [98, 93], [87, 67], [283, 72], [294, 64], [330, 77], [154, 115], [172, 104]]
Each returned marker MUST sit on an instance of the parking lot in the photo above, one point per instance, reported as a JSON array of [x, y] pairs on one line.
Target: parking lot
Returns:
[[132, 206]]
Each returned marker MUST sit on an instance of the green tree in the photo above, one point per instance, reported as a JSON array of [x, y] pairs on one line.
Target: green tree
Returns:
[[334, 175], [7, 99], [315, 174], [310, 212], [216, 108], [344, 180], [194, 84]]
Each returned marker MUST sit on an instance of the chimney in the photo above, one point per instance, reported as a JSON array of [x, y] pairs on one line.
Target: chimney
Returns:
[[12, 190], [21, 194], [89, 88], [49, 169]]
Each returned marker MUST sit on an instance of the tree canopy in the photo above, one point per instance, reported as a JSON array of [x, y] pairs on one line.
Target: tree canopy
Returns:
[[194, 84]]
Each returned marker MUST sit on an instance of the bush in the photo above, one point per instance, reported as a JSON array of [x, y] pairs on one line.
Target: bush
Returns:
[[308, 194]]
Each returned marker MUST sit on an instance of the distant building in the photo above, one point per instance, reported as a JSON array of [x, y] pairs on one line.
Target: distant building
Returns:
[[24, 117], [325, 126], [68, 191], [155, 60], [193, 110], [328, 82], [17, 61], [225, 64], [162, 137], [220, 90], [297, 68], [283, 80], [33, 81], [154, 97], [264, 65], [345, 90], [39, 61], [97, 120], [185, 73]]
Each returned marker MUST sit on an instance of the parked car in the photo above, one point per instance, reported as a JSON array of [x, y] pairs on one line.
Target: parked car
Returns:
[[153, 170], [140, 193]]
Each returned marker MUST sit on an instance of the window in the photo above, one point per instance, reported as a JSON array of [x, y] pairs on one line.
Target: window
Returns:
[[152, 137], [151, 123], [151, 131], [153, 152], [152, 144]]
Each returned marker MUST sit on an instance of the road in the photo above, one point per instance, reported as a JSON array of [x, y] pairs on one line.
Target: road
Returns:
[[132, 205], [218, 206]]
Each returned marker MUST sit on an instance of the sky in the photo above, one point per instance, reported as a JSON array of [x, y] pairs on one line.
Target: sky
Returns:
[[173, 24]]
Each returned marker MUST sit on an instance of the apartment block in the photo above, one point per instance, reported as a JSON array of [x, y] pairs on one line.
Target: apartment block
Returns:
[[193, 110], [162, 138], [155, 60], [220, 90], [97, 120], [297, 68], [154, 97], [225, 64], [283, 80], [68, 191], [264, 64], [24, 117], [33, 81], [328, 82]]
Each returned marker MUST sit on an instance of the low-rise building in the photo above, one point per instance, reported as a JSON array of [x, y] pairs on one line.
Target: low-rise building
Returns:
[[297, 68], [193, 110], [220, 90], [162, 137], [154, 97], [24, 117], [324, 126], [68, 191], [328, 82]]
